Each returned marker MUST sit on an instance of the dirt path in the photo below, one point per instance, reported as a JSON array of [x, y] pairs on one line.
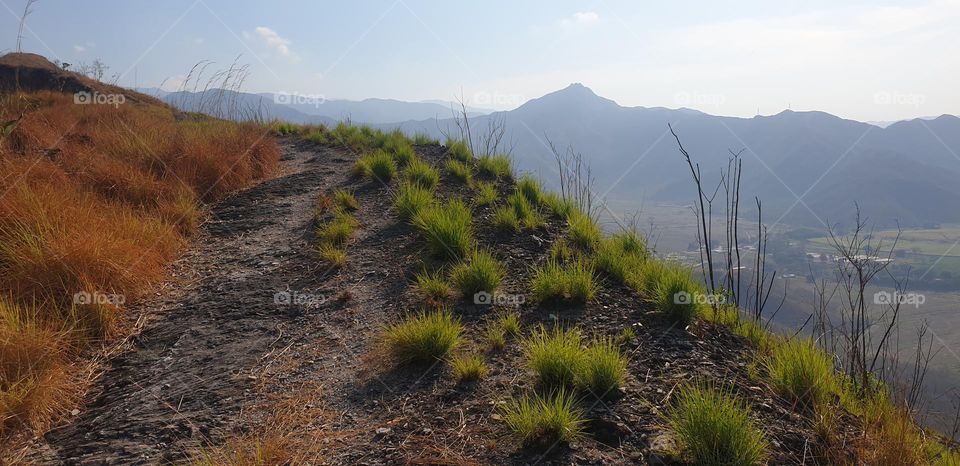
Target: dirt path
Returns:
[[190, 371]]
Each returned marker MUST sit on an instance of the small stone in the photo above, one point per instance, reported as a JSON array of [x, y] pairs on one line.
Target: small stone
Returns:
[[383, 430], [75, 412], [495, 417]]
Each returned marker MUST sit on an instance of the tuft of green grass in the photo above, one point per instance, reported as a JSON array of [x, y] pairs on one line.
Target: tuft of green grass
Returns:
[[479, 272], [459, 170], [604, 368], [486, 193], [714, 427], [620, 255], [319, 136], [284, 128], [433, 288], [496, 337], [555, 356], [423, 337], [802, 372], [677, 294], [447, 228], [405, 154], [332, 255], [499, 166], [458, 150], [558, 206], [468, 368], [337, 231], [525, 211], [571, 281], [421, 173], [509, 322], [544, 420], [505, 219], [345, 200], [583, 231], [529, 187], [423, 139], [561, 252], [410, 199], [378, 165]]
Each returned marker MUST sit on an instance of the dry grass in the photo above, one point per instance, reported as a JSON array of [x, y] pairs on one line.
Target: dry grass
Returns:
[[96, 199]]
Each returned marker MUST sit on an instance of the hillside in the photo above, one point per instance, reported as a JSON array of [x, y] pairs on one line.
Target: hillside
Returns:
[[101, 190], [787, 155], [180, 289]]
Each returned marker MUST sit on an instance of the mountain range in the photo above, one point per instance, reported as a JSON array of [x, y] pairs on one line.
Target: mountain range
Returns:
[[809, 168]]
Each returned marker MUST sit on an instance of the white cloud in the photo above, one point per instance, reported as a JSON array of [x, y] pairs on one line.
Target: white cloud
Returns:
[[79, 48], [273, 40], [585, 17], [580, 18]]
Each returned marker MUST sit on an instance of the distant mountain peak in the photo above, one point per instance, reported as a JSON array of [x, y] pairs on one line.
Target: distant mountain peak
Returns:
[[575, 97]]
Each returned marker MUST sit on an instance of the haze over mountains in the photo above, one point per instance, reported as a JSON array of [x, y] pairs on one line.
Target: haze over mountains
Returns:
[[809, 168]]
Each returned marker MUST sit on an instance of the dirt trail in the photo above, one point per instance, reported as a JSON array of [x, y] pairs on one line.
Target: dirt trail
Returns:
[[187, 375]]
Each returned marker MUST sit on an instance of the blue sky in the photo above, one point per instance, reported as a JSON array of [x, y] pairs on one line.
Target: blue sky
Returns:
[[862, 60]]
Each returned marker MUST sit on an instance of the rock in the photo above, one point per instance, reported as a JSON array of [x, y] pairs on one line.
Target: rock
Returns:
[[661, 449], [75, 412], [383, 430]]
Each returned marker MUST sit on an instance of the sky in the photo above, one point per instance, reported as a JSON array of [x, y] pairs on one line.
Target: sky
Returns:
[[864, 60]]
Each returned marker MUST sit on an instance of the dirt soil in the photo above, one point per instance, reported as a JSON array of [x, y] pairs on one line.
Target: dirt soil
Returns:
[[223, 356]]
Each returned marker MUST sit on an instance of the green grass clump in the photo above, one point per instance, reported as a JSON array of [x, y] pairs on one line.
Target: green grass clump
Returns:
[[447, 228], [332, 255], [509, 322], [583, 231], [498, 166], [714, 427], [396, 144], [486, 193], [319, 136], [459, 170], [525, 211], [559, 207], [677, 294], [570, 281], [620, 255], [337, 231], [345, 200], [421, 173], [410, 199], [423, 139], [802, 372], [530, 188], [357, 138], [496, 337], [544, 420], [378, 165], [555, 356], [284, 128], [433, 288], [561, 252], [505, 219], [424, 337], [468, 368], [459, 150], [479, 272], [604, 368]]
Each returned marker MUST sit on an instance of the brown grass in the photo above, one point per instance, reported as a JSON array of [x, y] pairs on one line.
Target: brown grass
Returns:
[[96, 199]]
